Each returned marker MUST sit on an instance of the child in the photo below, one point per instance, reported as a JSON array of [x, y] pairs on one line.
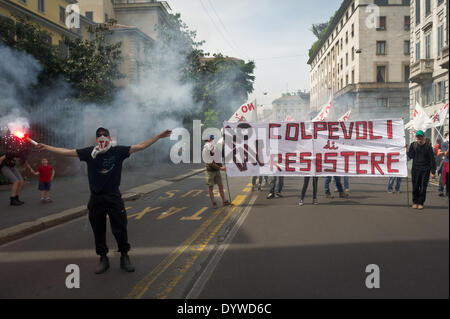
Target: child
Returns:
[[46, 173]]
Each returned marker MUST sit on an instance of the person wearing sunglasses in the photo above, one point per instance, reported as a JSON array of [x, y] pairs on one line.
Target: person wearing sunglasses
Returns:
[[104, 163]]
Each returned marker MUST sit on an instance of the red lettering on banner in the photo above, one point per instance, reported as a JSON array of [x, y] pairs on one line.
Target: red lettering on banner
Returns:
[[305, 161], [271, 135], [251, 107], [389, 129], [391, 160], [331, 161], [347, 134], [319, 163], [347, 159], [318, 127], [360, 161], [375, 163], [288, 131], [273, 163], [288, 161], [358, 136], [332, 127], [371, 136], [304, 136]]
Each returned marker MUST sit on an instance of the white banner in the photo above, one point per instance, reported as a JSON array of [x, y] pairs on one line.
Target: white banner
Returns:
[[439, 119], [245, 113], [360, 148], [324, 112]]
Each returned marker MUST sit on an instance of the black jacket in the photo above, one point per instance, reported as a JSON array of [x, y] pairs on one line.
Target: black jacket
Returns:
[[423, 156]]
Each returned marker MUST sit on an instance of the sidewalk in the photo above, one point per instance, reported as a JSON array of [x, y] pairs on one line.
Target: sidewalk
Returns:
[[73, 192]]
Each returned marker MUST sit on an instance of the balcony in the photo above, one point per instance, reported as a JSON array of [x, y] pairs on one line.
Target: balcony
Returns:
[[422, 70], [141, 3], [444, 57]]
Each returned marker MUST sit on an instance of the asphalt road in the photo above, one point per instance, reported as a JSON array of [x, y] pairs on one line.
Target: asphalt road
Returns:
[[258, 248]]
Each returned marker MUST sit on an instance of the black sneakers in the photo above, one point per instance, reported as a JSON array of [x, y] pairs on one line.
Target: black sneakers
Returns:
[[14, 201], [125, 263], [103, 266]]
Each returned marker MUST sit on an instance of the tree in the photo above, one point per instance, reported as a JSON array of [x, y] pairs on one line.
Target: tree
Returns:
[[318, 28], [93, 65]]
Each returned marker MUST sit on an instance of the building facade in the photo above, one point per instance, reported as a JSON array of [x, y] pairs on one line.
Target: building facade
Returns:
[[363, 61], [138, 22], [429, 59], [49, 15], [289, 107]]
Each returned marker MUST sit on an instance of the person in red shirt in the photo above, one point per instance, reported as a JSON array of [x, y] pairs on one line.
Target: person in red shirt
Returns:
[[46, 174]]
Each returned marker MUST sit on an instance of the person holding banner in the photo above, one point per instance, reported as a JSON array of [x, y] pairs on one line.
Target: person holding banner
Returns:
[[213, 169], [277, 183], [443, 152], [337, 181], [424, 163], [305, 188], [104, 163]]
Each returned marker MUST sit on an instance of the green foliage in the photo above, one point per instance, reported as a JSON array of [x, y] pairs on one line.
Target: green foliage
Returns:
[[93, 65], [25, 36], [211, 118], [319, 30]]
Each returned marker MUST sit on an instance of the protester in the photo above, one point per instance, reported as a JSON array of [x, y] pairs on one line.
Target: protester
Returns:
[[273, 186], [16, 149], [104, 163], [444, 179], [213, 169], [397, 185], [46, 174], [424, 163], [254, 178], [305, 188], [338, 183]]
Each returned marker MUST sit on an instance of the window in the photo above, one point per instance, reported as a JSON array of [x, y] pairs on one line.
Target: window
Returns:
[[353, 30], [346, 59], [62, 14], [106, 17], [418, 51], [440, 91], [346, 37], [346, 79], [406, 2], [427, 95], [428, 46], [63, 50], [353, 76], [41, 5], [353, 53], [381, 24], [406, 73], [440, 39], [381, 2], [440, 2], [342, 64], [381, 74], [90, 15], [407, 47], [417, 3], [427, 7], [407, 23], [381, 47], [382, 102]]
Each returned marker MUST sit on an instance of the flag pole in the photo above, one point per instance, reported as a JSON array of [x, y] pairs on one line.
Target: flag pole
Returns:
[[224, 163]]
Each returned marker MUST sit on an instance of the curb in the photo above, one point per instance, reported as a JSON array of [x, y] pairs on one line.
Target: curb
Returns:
[[25, 229]]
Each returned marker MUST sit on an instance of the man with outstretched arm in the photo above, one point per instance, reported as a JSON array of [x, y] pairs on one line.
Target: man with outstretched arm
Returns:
[[104, 163]]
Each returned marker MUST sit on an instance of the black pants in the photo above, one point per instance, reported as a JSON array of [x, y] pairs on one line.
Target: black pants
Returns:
[[420, 179], [306, 184], [112, 205]]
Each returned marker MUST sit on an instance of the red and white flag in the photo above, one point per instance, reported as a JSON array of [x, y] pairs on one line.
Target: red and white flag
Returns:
[[440, 116], [421, 121], [245, 113], [289, 119], [324, 112], [345, 117]]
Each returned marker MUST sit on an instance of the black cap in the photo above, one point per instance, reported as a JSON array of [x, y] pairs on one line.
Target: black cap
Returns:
[[101, 129]]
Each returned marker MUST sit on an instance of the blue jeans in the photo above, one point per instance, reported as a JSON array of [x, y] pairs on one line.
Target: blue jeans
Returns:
[[346, 183], [254, 178], [391, 184], [273, 183], [337, 180], [441, 187]]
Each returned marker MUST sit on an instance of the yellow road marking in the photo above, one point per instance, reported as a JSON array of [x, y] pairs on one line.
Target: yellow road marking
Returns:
[[198, 249], [197, 191], [196, 216], [170, 194], [144, 211], [128, 208], [170, 212], [144, 284]]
